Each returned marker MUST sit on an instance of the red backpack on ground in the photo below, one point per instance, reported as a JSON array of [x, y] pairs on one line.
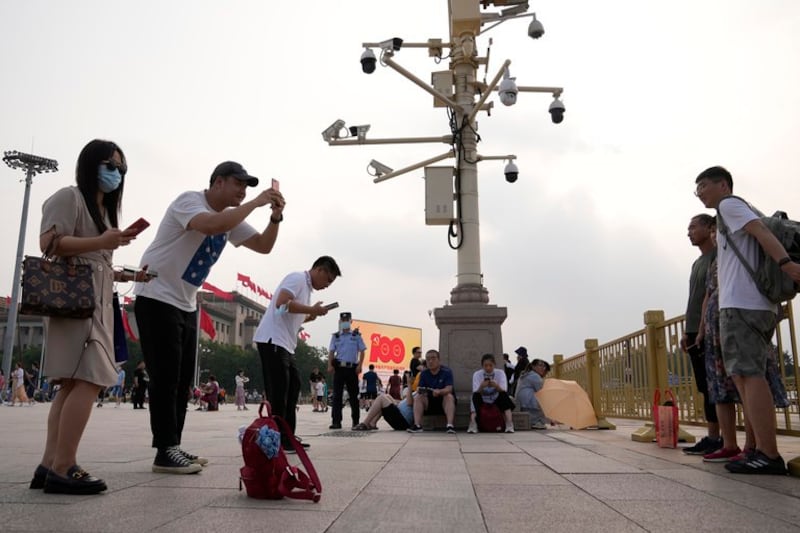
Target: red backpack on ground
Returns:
[[490, 419], [273, 478]]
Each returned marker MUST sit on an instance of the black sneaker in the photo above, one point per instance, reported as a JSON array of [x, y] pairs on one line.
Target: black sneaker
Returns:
[[335, 426], [172, 461], [202, 461], [704, 447], [758, 463], [415, 429], [450, 429]]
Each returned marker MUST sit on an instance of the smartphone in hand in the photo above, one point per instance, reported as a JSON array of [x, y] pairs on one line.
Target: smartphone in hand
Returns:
[[138, 226], [330, 306], [276, 185]]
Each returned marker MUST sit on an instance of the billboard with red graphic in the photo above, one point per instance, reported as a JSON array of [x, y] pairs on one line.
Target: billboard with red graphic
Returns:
[[388, 346]]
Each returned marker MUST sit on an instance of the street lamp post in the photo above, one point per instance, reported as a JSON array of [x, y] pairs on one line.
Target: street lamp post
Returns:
[[32, 164], [469, 326]]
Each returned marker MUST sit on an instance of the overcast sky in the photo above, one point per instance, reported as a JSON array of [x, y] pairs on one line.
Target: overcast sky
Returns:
[[591, 235]]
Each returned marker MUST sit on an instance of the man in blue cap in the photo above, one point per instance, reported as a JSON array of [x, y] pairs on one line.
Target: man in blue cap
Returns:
[[345, 357]]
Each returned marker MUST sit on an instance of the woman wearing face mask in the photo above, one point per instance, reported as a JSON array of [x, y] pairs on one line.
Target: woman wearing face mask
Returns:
[[82, 222]]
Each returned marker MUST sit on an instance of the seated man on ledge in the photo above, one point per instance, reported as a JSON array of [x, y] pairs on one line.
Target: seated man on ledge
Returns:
[[398, 413], [434, 393]]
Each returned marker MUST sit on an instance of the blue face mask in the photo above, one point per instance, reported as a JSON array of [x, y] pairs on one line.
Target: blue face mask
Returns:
[[344, 325], [108, 180]]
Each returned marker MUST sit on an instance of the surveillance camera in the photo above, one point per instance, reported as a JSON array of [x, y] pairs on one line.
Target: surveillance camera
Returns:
[[368, 61], [379, 168], [359, 131], [557, 110], [333, 131], [508, 91], [535, 29], [392, 44], [511, 171]]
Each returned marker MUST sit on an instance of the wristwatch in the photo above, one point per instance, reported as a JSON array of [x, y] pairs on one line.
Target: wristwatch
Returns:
[[785, 260], [278, 220]]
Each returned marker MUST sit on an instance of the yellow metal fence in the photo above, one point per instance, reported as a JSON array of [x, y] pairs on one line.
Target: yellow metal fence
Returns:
[[622, 375]]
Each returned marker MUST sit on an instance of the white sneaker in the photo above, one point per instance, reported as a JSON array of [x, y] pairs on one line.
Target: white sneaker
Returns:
[[473, 427], [509, 429]]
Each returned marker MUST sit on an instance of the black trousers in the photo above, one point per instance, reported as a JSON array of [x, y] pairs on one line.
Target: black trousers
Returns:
[[697, 356], [169, 346], [503, 402], [138, 397], [345, 377], [281, 381]]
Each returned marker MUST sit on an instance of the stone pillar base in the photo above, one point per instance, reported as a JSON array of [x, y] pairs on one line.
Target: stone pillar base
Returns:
[[466, 332]]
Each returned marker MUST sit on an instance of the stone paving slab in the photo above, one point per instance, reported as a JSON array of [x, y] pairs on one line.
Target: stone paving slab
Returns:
[[554, 480]]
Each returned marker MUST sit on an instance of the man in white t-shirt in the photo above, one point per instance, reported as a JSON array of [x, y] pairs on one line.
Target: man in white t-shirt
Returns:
[[747, 319], [196, 227], [276, 336]]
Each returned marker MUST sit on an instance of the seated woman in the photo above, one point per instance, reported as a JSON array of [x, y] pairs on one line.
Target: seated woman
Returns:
[[489, 387], [531, 381], [210, 398], [398, 413]]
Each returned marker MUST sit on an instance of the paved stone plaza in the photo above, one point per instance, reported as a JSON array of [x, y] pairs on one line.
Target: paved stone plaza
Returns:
[[553, 480]]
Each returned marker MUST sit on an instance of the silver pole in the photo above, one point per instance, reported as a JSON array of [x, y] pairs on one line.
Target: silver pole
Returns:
[[11, 322]]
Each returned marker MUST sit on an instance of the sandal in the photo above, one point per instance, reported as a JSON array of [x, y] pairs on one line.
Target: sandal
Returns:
[[361, 427]]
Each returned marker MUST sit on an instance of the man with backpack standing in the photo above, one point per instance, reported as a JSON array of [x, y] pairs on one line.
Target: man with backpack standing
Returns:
[[699, 233], [747, 317]]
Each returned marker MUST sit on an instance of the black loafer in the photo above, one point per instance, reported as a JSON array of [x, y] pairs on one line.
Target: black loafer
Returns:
[[78, 481], [39, 475]]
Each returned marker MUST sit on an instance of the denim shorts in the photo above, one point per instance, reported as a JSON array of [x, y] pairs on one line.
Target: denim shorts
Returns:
[[746, 340]]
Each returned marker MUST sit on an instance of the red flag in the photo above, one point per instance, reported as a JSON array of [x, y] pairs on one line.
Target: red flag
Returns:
[[206, 324], [217, 291], [264, 293], [127, 326], [246, 281]]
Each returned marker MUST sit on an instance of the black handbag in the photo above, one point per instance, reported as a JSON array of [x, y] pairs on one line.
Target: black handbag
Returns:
[[54, 288]]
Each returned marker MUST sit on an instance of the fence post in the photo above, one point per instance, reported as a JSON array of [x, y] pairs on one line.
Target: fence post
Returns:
[[657, 375], [557, 360], [595, 390]]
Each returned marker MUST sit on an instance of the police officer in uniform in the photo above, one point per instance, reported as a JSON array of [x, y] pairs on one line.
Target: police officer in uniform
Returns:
[[345, 357]]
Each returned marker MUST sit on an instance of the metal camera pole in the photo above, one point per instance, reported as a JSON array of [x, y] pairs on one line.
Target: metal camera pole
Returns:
[[32, 165]]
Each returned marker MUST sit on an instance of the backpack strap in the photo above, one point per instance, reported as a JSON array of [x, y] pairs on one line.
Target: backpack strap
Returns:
[[723, 228], [312, 492]]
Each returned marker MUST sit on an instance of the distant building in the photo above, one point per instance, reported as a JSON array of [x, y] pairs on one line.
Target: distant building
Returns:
[[235, 320]]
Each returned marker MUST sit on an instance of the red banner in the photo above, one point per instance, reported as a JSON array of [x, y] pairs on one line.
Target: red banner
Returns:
[[217, 291]]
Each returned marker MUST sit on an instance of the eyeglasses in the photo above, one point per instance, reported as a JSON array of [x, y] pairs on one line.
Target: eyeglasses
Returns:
[[701, 187], [112, 166]]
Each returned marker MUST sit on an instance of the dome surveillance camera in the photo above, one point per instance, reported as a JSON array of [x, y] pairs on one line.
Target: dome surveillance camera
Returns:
[[535, 29], [508, 91], [557, 110], [511, 171], [368, 61]]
